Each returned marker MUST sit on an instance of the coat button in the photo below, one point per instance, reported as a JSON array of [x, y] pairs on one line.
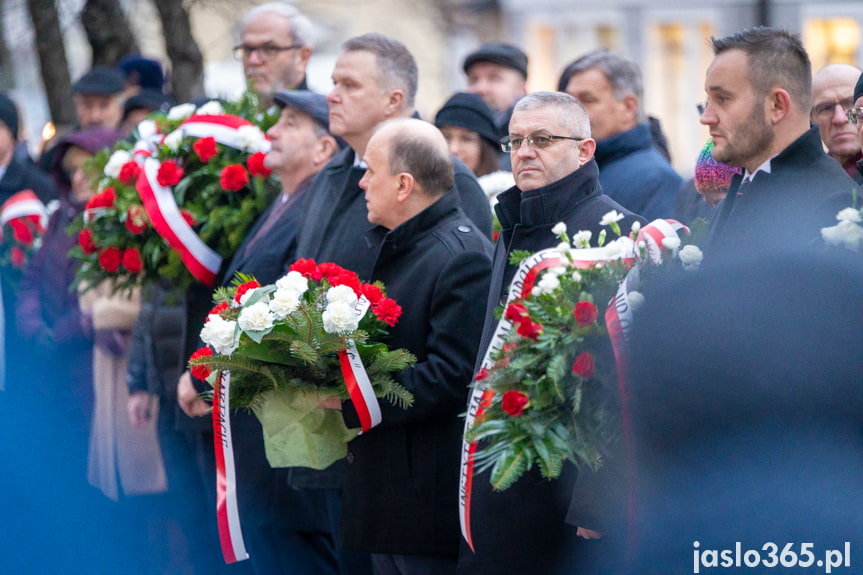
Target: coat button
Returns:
[[463, 229]]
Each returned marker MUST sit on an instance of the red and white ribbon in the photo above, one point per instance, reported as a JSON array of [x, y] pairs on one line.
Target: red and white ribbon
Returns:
[[357, 380], [161, 207], [227, 512], [23, 204]]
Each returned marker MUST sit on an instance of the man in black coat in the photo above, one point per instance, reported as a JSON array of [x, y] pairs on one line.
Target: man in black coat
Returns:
[[523, 529], [759, 95], [285, 530], [401, 477]]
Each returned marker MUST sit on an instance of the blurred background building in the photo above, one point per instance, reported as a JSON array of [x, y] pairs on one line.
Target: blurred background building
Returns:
[[668, 38]]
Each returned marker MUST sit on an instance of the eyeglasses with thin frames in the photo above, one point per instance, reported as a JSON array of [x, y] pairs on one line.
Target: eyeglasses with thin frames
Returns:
[[267, 51], [536, 141], [824, 111], [854, 115]]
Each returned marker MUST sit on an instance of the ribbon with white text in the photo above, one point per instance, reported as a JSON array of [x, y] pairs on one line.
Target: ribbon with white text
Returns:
[[357, 380]]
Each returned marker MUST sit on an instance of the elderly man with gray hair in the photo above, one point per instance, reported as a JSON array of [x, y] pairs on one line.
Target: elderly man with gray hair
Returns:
[[631, 169]]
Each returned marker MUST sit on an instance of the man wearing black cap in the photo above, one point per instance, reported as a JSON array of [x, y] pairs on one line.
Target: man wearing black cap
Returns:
[[98, 98], [286, 529], [498, 73]]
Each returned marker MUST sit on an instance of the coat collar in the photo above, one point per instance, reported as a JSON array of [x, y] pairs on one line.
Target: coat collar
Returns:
[[548, 204], [623, 144], [410, 231]]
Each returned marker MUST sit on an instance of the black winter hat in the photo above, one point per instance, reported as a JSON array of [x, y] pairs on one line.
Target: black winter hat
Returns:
[[100, 80], [9, 114], [498, 53], [858, 89], [468, 111]]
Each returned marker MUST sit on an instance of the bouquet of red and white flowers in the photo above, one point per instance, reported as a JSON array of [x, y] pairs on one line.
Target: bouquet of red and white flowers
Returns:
[[315, 334], [23, 218], [547, 391], [177, 200]]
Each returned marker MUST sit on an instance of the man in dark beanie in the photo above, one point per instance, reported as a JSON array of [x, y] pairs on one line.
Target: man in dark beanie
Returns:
[[498, 73], [98, 98], [855, 115]]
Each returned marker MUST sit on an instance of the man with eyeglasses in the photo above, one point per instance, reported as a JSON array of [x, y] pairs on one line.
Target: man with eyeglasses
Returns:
[[275, 47], [759, 99], [524, 529], [832, 95]]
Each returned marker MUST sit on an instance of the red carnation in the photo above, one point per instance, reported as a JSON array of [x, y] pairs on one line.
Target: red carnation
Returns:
[[19, 258], [243, 288], [347, 278], [21, 232], [372, 292], [136, 219], [169, 173], [388, 311], [329, 270], [201, 371], [307, 267], [514, 402], [583, 365], [515, 312], [108, 197], [188, 217], [233, 178], [256, 165], [218, 309], [481, 374], [585, 313], [529, 329], [132, 260], [109, 259], [206, 148], [85, 240], [129, 173]]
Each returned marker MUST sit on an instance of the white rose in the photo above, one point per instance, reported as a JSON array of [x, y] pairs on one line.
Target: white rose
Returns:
[[117, 160], [342, 294], [690, 256], [339, 317], [671, 243], [211, 108], [181, 112], [582, 239], [559, 229], [285, 302], [635, 299], [256, 317], [293, 281], [221, 334], [251, 137], [174, 139], [848, 215], [245, 297], [610, 218]]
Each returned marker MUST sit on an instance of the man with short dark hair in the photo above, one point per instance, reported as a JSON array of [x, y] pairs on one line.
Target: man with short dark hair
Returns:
[[275, 47], [631, 170], [832, 95], [759, 98], [399, 503], [524, 528]]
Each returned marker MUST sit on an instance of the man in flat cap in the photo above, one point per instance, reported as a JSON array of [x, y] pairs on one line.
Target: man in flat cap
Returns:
[[497, 72], [98, 98]]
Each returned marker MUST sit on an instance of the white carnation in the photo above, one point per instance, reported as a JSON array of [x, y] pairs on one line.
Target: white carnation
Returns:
[[340, 317], [174, 139], [181, 112], [285, 302], [548, 283], [671, 243], [635, 299], [256, 317], [342, 294], [559, 229], [294, 281], [245, 297], [617, 249], [576, 277], [690, 256], [147, 129], [845, 233], [556, 270], [221, 334], [563, 248], [117, 160], [251, 137], [582, 239], [211, 108], [636, 227], [610, 218], [849, 215], [496, 182]]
